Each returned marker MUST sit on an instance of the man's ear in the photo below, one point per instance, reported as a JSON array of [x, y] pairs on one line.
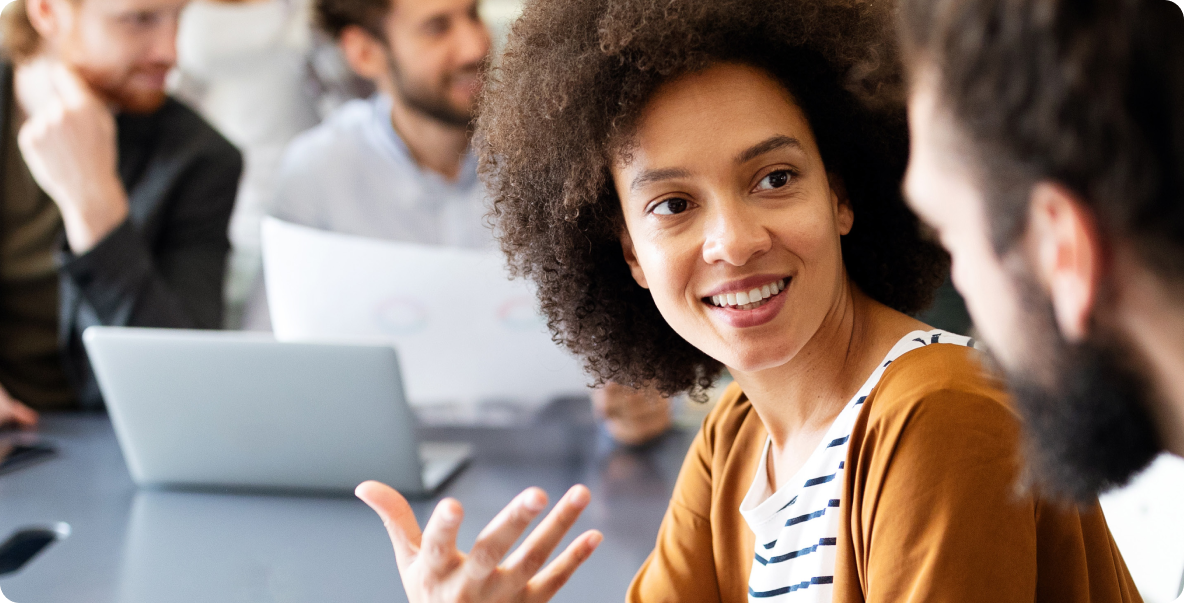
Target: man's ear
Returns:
[[45, 17], [631, 259], [1065, 248], [366, 54]]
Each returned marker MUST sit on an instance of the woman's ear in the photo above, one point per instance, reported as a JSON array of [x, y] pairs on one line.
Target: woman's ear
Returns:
[[844, 213], [631, 259]]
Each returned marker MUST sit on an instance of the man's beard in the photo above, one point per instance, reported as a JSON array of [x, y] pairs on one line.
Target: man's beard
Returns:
[[127, 98], [430, 101], [138, 101], [1084, 406]]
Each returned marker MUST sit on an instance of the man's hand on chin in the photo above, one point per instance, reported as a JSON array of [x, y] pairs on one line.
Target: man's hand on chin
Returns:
[[632, 416], [12, 412], [68, 141]]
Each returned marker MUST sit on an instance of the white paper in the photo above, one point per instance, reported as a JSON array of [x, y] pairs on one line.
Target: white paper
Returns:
[[465, 333]]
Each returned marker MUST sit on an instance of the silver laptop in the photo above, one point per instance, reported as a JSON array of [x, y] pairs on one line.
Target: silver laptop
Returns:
[[227, 410]]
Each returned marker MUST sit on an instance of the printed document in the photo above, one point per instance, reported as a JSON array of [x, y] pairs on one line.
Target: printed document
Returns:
[[466, 335]]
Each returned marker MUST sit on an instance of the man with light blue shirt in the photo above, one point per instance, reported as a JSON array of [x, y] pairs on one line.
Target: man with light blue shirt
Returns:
[[398, 165], [354, 174]]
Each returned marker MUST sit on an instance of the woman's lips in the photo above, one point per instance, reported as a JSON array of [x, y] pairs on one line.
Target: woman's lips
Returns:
[[751, 315], [748, 299]]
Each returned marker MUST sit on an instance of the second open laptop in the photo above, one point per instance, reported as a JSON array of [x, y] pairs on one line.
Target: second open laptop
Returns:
[[226, 410]]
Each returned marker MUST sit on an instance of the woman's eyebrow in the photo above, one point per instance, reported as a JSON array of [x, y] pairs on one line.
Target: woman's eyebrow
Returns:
[[652, 176], [773, 143]]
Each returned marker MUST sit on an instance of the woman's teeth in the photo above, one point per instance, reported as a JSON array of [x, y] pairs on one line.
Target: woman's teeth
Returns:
[[747, 300]]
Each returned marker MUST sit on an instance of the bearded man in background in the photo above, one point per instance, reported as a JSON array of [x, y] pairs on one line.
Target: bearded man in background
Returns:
[[116, 198]]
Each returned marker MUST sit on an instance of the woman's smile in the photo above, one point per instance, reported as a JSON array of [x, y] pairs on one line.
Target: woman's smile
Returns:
[[728, 206], [750, 302]]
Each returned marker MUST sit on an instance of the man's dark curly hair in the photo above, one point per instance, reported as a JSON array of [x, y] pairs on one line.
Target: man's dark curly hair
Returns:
[[566, 97], [1088, 93], [333, 16]]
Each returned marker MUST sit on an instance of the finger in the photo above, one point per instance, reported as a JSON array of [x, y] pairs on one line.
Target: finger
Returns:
[[32, 85], [37, 126], [637, 432], [546, 583], [23, 415], [599, 403], [644, 408], [538, 546], [70, 88], [396, 515], [438, 547], [614, 389], [496, 539]]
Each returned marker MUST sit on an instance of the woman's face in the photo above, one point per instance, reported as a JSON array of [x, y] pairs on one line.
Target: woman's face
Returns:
[[727, 202]]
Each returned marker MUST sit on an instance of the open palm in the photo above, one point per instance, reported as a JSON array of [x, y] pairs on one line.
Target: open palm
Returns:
[[434, 571]]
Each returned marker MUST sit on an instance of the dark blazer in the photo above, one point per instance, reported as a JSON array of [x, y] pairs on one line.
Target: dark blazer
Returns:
[[164, 266]]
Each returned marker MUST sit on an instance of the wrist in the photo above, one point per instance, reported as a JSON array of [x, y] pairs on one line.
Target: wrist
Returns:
[[92, 216]]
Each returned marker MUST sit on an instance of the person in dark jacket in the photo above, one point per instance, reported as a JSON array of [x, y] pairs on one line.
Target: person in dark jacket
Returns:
[[115, 198]]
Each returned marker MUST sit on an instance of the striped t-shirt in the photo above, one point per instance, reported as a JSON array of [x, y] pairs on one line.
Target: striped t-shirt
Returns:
[[797, 527]]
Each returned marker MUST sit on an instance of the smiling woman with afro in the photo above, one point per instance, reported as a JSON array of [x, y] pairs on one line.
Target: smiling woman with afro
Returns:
[[573, 82]]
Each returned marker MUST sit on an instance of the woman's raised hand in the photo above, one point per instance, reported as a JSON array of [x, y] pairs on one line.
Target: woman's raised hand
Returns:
[[434, 571]]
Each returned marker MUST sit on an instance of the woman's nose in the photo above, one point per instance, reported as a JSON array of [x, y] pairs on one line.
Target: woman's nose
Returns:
[[735, 234]]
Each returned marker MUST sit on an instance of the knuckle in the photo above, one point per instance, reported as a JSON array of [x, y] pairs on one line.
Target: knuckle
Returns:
[[484, 557], [582, 555], [532, 560], [522, 516], [437, 550]]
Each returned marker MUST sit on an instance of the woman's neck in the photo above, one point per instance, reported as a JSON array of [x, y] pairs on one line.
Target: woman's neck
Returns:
[[803, 396]]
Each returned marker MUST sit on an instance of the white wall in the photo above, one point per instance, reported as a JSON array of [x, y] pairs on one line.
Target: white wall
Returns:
[[498, 15]]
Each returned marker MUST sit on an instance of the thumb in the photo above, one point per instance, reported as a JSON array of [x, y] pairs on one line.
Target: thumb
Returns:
[[73, 91], [396, 515]]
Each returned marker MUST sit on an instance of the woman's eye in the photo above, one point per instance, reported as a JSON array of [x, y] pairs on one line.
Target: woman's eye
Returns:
[[775, 180], [670, 207]]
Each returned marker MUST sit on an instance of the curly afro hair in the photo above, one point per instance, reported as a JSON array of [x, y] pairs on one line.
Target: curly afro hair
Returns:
[[563, 102]]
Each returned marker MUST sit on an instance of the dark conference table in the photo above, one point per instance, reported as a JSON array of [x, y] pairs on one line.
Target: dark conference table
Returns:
[[140, 546]]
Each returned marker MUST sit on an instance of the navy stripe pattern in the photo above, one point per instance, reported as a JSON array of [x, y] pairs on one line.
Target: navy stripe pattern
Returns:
[[814, 481], [795, 554], [799, 523], [789, 589]]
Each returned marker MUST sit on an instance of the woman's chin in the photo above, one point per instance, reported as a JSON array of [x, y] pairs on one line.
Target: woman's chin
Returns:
[[756, 358]]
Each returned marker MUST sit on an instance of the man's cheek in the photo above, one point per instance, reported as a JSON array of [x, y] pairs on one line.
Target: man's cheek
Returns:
[[967, 279], [960, 272], [992, 303], [985, 314]]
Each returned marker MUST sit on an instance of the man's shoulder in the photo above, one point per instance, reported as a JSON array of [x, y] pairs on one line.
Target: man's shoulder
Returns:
[[342, 134], [186, 133]]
